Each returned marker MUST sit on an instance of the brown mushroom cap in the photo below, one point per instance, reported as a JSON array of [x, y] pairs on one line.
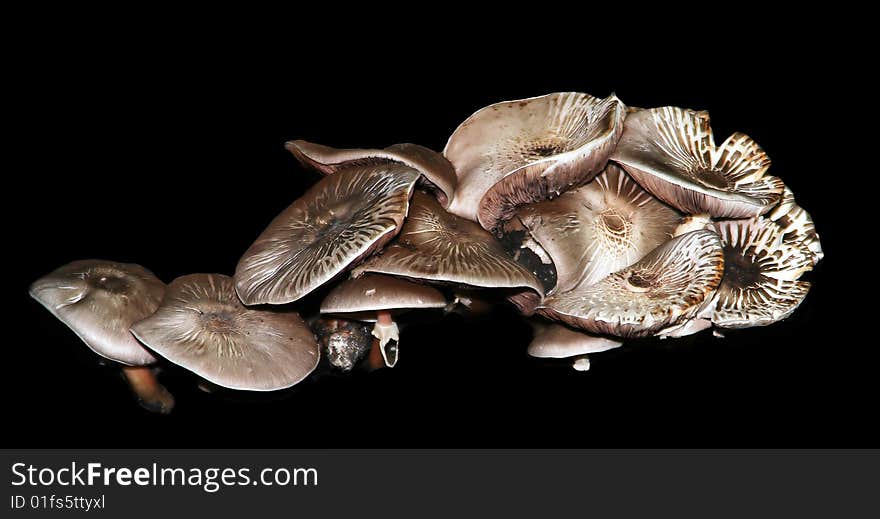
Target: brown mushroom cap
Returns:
[[438, 171], [560, 342], [373, 292], [340, 220], [797, 224], [671, 152], [202, 326], [761, 272], [99, 300], [518, 152], [437, 246], [599, 228], [670, 285]]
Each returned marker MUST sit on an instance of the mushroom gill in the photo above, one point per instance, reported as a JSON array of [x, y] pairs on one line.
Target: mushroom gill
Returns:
[[517, 152], [202, 326], [342, 219], [670, 285], [671, 152], [599, 228], [797, 224], [762, 268]]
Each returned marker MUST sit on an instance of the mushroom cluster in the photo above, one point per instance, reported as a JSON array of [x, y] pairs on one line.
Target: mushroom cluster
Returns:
[[598, 222]]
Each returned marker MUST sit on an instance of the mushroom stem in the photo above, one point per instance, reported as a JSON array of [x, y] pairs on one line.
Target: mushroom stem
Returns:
[[151, 395], [386, 331], [374, 358], [581, 363]]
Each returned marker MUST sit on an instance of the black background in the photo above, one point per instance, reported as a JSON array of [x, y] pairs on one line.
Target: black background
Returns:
[[164, 147]]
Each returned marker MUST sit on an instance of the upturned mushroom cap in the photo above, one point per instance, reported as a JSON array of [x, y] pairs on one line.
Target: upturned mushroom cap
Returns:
[[599, 228], [373, 292], [671, 152], [437, 246], [99, 300], [668, 286], [523, 151], [340, 220], [202, 326], [561, 342], [761, 272], [797, 225], [436, 169]]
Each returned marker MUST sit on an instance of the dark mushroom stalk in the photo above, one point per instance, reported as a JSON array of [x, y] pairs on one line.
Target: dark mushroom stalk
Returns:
[[99, 300]]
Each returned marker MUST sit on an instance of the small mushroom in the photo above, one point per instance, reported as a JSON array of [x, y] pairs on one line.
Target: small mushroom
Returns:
[[518, 152], [99, 300], [762, 267], [374, 296], [342, 219], [556, 341], [202, 326], [344, 342], [599, 228], [670, 285], [437, 246], [435, 168], [671, 152], [797, 225]]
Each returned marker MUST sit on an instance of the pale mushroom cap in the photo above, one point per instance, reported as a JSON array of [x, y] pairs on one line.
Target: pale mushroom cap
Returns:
[[523, 151], [797, 224], [560, 342], [435, 168], [340, 220], [202, 326], [671, 152], [99, 300], [437, 246], [374, 292], [671, 284], [761, 273], [599, 228]]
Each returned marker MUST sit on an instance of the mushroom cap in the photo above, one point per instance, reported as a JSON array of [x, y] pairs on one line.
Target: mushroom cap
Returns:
[[599, 228], [797, 224], [761, 272], [671, 152], [202, 326], [671, 284], [99, 300], [560, 342], [523, 151], [438, 171], [437, 246], [374, 292], [343, 218]]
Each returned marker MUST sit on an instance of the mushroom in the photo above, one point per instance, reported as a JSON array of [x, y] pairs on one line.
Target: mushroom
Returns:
[[518, 152], [202, 326], [343, 341], [99, 300], [556, 341], [670, 285], [437, 246], [671, 152], [762, 265], [435, 168], [340, 220], [797, 225], [377, 296], [599, 228]]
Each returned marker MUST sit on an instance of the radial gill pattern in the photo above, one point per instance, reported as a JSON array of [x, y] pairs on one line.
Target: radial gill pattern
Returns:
[[599, 228], [518, 152], [437, 246], [438, 173], [668, 286], [797, 224], [202, 326], [99, 300], [762, 267], [671, 152], [336, 223]]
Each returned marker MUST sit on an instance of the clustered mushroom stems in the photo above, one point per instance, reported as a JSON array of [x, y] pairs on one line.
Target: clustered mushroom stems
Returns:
[[597, 221]]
